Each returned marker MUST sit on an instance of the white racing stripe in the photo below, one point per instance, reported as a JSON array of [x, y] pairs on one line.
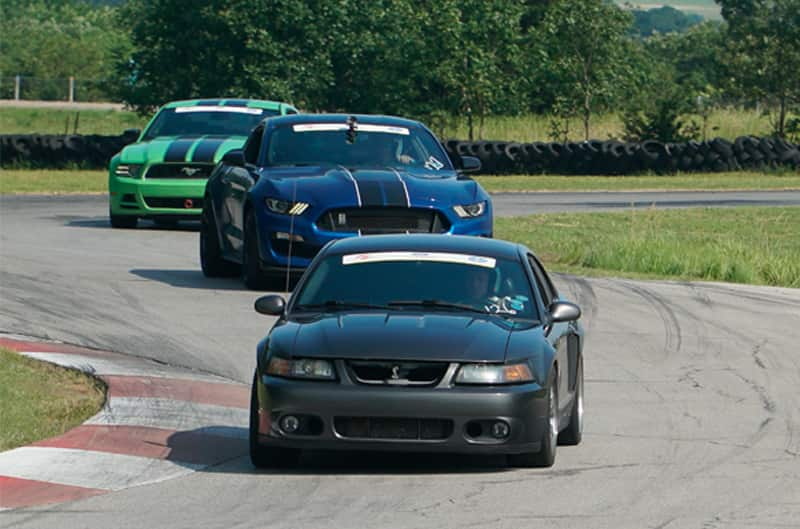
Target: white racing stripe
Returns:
[[83, 468], [355, 184], [173, 415], [405, 188], [118, 366]]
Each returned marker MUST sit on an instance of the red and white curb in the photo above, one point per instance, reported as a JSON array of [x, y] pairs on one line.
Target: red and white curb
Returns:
[[159, 422]]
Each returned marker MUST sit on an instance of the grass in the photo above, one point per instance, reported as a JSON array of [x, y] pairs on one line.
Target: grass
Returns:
[[52, 181], [743, 180], [726, 123], [87, 181], [740, 245], [39, 400], [57, 121]]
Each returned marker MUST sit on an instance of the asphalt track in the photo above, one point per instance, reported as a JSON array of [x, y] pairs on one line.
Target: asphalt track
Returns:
[[692, 401]]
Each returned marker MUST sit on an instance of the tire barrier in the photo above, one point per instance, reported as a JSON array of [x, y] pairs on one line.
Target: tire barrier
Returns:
[[592, 157], [51, 151], [614, 157]]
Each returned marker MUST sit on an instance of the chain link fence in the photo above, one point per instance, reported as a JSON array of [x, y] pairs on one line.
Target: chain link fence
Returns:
[[22, 87]]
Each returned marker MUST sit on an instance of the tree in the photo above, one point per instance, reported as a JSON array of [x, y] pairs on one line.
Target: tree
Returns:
[[582, 53], [764, 43]]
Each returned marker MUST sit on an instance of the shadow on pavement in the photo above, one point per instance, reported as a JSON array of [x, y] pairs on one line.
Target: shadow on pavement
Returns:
[[228, 453], [189, 279], [144, 225]]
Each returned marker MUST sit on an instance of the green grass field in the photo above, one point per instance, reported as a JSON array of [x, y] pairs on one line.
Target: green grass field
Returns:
[[739, 245], [726, 123], [84, 181], [39, 400]]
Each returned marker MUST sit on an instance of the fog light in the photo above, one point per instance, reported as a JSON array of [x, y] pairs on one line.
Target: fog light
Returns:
[[500, 430], [290, 424]]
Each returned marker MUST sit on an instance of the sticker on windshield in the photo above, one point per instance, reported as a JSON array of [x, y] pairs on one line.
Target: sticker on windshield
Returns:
[[361, 127], [436, 257], [220, 108], [433, 164]]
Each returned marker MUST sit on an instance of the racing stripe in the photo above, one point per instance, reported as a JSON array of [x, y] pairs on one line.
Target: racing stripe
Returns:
[[178, 150], [394, 192], [206, 149], [370, 192]]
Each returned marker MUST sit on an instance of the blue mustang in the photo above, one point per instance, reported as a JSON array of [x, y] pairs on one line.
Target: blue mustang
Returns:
[[304, 180]]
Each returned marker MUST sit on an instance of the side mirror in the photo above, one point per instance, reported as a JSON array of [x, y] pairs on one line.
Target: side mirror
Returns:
[[272, 305], [470, 164], [234, 157], [564, 311]]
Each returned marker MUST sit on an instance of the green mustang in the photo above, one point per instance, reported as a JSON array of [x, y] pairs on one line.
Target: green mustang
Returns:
[[162, 176]]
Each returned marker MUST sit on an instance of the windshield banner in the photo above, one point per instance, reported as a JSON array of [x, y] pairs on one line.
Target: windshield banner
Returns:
[[437, 257]]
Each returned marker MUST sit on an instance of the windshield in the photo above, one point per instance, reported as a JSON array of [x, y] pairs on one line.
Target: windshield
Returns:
[[364, 145], [426, 281], [203, 120]]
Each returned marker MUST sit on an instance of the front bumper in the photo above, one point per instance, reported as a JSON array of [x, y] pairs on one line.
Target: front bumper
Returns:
[[275, 251], [156, 198], [522, 407]]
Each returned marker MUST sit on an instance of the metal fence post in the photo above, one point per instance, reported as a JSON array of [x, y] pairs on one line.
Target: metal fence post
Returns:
[[16, 87], [71, 89]]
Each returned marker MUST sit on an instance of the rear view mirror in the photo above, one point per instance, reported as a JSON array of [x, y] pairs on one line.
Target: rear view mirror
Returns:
[[234, 157], [272, 305], [564, 311], [470, 164]]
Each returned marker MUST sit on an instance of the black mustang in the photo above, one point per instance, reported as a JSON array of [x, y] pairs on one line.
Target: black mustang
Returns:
[[419, 343]]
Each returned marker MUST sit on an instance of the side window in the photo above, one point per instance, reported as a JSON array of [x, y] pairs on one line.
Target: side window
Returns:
[[542, 281], [253, 145], [291, 111]]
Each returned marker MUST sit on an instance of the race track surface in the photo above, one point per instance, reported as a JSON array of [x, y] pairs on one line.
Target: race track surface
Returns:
[[692, 401]]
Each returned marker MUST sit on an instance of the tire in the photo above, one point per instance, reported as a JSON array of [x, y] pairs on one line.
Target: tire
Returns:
[[211, 260], [262, 456], [572, 434], [546, 456], [252, 276], [123, 221]]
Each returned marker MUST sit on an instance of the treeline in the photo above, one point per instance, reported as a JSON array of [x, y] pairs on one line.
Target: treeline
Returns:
[[438, 61]]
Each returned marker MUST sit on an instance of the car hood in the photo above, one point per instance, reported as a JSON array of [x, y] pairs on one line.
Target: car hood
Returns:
[[176, 149], [374, 187], [396, 336]]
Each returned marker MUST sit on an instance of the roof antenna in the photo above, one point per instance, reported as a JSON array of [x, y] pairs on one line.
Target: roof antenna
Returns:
[[352, 129], [291, 239]]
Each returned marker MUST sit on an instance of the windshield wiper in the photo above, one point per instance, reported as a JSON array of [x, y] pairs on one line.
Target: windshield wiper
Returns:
[[435, 303], [333, 304]]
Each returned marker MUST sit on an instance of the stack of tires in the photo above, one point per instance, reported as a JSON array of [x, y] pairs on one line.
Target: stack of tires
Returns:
[[51, 151], [614, 157]]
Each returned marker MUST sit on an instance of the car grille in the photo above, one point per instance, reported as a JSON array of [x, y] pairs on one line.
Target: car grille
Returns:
[[393, 428], [176, 170], [173, 202], [383, 220], [397, 373]]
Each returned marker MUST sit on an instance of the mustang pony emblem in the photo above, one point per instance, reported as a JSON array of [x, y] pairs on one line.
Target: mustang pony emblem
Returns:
[[190, 171]]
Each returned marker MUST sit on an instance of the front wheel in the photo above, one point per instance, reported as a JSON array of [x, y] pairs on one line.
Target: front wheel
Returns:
[[263, 456], [252, 275], [546, 456], [122, 221], [211, 260], [573, 433]]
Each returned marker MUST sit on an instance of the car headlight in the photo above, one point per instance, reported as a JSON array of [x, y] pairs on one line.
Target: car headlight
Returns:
[[129, 170], [470, 210], [494, 374], [284, 207], [311, 368]]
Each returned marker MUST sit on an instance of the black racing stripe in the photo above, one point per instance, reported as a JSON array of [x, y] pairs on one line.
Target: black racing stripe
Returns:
[[208, 102], [236, 102], [395, 194], [176, 152], [370, 193], [206, 150]]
